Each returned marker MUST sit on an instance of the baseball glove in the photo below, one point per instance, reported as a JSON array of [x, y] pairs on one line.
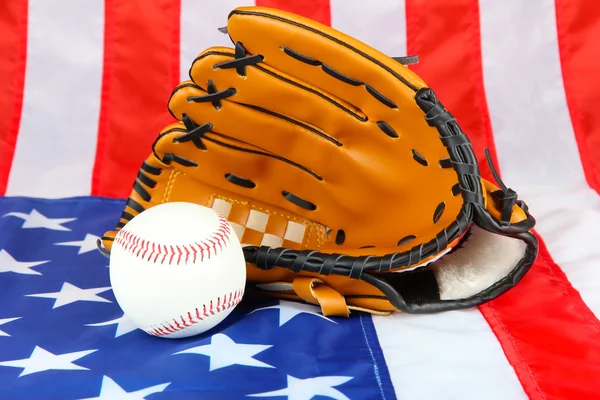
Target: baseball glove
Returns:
[[346, 180]]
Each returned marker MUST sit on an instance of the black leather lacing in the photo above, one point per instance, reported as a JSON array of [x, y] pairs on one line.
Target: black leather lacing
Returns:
[[506, 198], [214, 96], [194, 132], [292, 198], [144, 181], [439, 210], [139, 184], [407, 60], [241, 60], [338, 75], [418, 157], [404, 60], [238, 180], [406, 239], [240, 63], [350, 110], [387, 129]]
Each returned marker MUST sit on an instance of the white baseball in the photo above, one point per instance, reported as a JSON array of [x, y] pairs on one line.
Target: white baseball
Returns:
[[177, 269]]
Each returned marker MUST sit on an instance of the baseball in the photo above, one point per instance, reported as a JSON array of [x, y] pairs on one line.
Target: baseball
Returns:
[[177, 269]]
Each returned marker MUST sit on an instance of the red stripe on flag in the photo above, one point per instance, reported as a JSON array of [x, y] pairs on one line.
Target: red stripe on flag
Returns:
[[549, 335], [317, 10], [445, 36], [578, 29], [13, 51], [141, 68]]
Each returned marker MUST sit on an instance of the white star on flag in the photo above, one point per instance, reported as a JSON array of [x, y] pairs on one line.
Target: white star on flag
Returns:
[[124, 325], [224, 352], [306, 389], [85, 246], [9, 264], [70, 294], [289, 309], [6, 321], [42, 360], [36, 220], [110, 390]]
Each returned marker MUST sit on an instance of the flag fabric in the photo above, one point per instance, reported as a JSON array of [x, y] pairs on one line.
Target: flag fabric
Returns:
[[84, 93], [63, 334]]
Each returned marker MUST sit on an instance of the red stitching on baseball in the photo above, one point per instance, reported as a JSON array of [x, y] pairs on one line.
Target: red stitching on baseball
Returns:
[[128, 243], [212, 246], [146, 250], [144, 247], [195, 252], [181, 323], [164, 253], [179, 254], [155, 252], [172, 252]]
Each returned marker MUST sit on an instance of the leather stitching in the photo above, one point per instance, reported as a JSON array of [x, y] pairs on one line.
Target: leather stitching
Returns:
[[197, 315], [170, 184], [308, 235], [175, 254]]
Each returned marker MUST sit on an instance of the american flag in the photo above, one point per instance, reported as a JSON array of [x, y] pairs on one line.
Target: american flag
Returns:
[[84, 92]]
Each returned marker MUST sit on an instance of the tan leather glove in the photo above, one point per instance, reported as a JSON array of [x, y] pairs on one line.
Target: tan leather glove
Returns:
[[347, 181]]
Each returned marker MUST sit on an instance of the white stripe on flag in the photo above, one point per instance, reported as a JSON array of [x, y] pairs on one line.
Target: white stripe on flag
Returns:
[[568, 222], [536, 145], [56, 145], [200, 21], [527, 104], [381, 25], [451, 355]]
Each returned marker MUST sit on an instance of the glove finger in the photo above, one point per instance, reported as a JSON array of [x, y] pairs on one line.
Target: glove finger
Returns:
[[340, 65], [274, 91], [271, 132]]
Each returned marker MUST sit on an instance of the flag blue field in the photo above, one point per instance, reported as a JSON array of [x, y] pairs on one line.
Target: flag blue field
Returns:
[[64, 336]]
